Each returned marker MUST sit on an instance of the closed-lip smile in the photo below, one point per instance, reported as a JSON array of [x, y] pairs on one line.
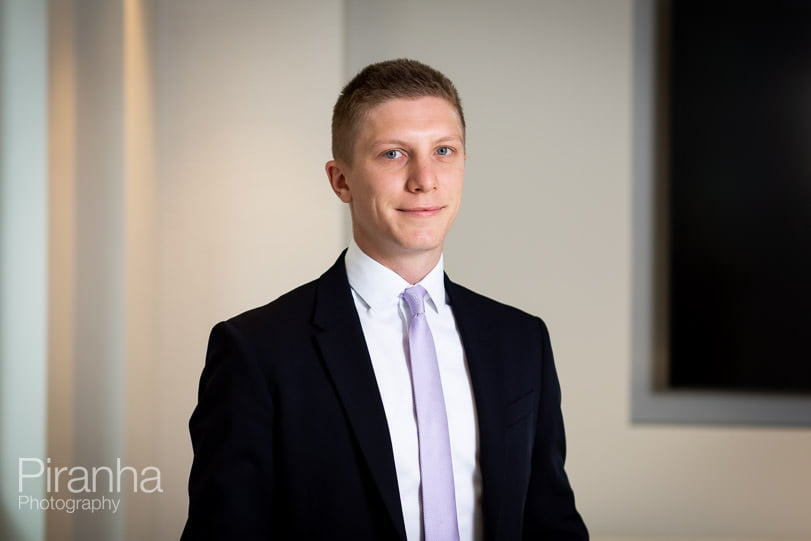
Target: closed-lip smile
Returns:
[[422, 211]]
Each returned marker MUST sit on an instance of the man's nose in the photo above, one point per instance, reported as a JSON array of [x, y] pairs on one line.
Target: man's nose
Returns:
[[422, 176]]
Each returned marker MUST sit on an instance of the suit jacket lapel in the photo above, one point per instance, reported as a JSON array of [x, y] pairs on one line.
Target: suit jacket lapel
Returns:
[[487, 377], [347, 360]]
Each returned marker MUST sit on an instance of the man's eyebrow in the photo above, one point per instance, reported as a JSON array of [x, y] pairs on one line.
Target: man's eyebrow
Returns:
[[400, 142], [450, 138], [388, 142]]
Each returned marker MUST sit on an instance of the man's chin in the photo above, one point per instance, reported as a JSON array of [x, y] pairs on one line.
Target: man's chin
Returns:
[[423, 241], [421, 248]]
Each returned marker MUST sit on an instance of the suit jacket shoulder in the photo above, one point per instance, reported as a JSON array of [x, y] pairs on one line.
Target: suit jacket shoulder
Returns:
[[482, 318], [284, 312], [487, 307]]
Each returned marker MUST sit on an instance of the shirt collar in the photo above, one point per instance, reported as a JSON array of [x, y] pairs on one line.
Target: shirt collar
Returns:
[[380, 287]]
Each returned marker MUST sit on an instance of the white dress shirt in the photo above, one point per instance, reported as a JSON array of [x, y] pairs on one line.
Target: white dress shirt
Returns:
[[384, 317]]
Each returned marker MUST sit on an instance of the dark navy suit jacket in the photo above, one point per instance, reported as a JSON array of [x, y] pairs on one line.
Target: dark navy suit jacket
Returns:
[[291, 441]]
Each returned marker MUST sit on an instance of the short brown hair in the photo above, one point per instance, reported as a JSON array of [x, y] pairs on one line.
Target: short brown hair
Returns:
[[380, 82]]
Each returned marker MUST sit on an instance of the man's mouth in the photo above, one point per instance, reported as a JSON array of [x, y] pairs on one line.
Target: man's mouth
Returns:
[[422, 211]]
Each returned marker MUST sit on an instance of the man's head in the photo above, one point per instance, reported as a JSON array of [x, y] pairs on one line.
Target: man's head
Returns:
[[400, 165], [380, 82]]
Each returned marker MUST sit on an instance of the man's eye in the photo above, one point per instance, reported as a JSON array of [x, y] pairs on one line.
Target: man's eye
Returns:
[[444, 151], [392, 154]]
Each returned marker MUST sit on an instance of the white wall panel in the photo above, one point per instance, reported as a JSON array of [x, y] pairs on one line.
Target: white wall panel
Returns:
[[244, 97]]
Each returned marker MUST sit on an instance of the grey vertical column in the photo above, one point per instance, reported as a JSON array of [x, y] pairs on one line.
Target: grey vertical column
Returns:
[[23, 259]]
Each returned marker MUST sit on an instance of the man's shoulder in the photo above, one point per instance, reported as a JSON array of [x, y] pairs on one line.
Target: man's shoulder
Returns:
[[483, 307], [296, 309], [293, 305]]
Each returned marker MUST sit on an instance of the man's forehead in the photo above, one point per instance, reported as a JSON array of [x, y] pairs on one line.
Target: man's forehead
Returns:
[[426, 113], [411, 103]]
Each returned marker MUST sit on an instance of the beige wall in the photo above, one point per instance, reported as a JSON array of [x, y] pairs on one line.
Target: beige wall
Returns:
[[224, 115]]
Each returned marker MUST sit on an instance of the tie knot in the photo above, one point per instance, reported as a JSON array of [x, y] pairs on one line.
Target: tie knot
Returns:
[[415, 298]]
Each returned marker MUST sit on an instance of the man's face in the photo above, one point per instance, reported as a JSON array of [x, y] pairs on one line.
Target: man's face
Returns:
[[404, 186]]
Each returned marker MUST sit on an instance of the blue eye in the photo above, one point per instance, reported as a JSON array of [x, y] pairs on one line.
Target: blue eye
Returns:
[[392, 154], [444, 151]]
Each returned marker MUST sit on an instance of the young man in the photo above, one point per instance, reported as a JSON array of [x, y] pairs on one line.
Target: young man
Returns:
[[383, 401]]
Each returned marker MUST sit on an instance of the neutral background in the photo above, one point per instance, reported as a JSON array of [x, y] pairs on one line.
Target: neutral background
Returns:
[[162, 169]]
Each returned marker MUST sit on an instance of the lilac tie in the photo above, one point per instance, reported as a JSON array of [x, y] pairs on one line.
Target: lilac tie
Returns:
[[436, 468]]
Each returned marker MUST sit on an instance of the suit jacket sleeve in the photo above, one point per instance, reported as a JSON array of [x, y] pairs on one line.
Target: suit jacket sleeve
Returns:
[[550, 508], [231, 484]]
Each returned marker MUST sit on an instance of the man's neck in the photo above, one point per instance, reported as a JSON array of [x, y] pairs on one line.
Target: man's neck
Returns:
[[412, 267]]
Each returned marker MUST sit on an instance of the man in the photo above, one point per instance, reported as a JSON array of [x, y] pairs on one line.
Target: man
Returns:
[[383, 401]]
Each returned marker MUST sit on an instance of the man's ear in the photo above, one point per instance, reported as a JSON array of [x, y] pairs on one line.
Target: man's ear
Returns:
[[336, 173]]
